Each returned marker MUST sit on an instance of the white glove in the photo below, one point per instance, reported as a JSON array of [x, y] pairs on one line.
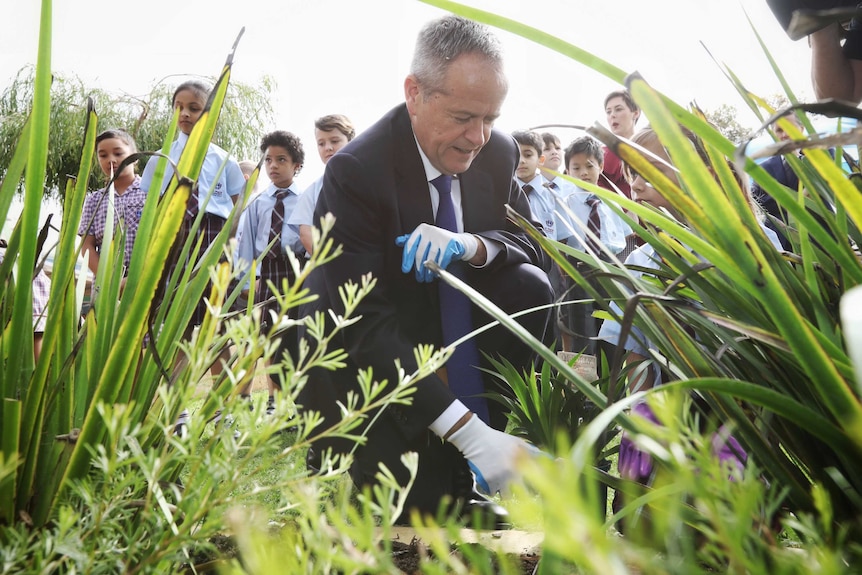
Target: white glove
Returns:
[[429, 243], [490, 453]]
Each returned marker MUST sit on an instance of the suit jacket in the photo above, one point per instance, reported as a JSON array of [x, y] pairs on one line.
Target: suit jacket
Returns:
[[377, 190], [783, 174]]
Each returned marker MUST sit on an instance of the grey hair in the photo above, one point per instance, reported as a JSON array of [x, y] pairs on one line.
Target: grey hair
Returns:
[[443, 40]]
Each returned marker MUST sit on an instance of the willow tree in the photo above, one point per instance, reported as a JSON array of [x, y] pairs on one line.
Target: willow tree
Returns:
[[247, 114]]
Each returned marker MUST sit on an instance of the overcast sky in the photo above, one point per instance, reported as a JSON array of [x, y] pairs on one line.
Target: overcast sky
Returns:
[[351, 56]]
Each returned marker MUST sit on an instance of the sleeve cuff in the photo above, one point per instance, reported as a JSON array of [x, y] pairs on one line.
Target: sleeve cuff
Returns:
[[448, 418]]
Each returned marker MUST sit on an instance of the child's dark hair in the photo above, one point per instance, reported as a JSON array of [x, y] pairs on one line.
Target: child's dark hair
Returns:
[[529, 138], [549, 139], [626, 96], [338, 122], [584, 145], [286, 140], [196, 86], [119, 135]]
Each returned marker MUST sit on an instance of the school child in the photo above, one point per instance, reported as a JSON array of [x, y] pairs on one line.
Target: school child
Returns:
[[41, 293], [584, 160], [332, 132], [542, 199], [552, 164], [265, 222], [218, 189], [126, 195], [219, 186], [633, 463], [543, 202]]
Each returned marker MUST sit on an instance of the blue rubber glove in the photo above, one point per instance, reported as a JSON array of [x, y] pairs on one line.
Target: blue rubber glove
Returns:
[[429, 243], [633, 463], [491, 454]]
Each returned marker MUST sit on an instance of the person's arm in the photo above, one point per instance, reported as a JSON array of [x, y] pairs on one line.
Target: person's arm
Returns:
[[492, 454], [246, 250], [639, 378], [88, 243], [481, 257], [305, 236], [833, 74], [235, 181], [303, 214], [513, 245]]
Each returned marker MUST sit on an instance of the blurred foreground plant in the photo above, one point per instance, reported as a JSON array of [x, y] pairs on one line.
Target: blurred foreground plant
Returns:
[[89, 464], [750, 333]]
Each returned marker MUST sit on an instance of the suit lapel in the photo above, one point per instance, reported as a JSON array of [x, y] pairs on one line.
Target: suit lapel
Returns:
[[411, 183], [477, 202], [790, 177]]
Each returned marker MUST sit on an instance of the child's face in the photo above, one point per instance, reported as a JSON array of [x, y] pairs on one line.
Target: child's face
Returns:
[[329, 142], [621, 119], [190, 105], [280, 166], [553, 156], [642, 191], [110, 152], [529, 163], [585, 167]]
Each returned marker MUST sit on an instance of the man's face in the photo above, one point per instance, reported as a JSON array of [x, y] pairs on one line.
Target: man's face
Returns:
[[454, 123], [780, 133]]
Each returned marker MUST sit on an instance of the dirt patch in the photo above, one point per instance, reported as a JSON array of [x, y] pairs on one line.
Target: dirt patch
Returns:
[[521, 547], [405, 556]]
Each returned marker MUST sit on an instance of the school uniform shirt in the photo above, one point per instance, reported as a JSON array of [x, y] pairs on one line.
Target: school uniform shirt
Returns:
[[303, 213], [224, 183], [646, 257], [256, 223], [128, 208], [543, 206], [560, 188], [613, 229]]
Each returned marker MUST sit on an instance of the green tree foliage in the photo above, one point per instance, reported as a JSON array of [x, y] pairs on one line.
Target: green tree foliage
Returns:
[[247, 114], [724, 118]]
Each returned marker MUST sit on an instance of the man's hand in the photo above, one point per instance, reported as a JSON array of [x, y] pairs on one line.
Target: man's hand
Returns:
[[491, 454], [429, 243]]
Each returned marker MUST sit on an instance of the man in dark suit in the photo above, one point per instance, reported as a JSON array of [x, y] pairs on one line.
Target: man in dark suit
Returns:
[[382, 190], [779, 169]]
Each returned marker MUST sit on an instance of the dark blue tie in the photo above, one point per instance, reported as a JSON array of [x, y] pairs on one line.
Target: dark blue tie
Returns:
[[462, 369]]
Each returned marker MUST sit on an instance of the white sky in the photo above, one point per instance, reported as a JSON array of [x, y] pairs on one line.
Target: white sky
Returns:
[[351, 56]]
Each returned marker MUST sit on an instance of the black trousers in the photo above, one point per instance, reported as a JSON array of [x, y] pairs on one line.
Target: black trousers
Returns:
[[442, 469]]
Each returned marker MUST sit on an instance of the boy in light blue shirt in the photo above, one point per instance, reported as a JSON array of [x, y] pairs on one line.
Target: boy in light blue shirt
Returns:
[[542, 199]]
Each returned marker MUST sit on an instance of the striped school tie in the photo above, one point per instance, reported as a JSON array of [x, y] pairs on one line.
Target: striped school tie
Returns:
[[277, 224], [594, 224]]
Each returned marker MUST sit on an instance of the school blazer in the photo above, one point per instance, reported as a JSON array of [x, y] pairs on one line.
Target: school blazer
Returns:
[[377, 190]]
